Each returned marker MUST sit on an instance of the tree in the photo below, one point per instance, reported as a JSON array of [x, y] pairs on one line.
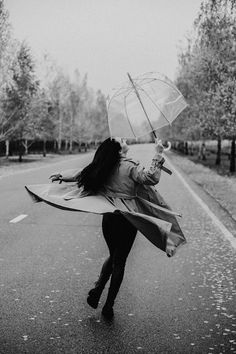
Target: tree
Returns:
[[216, 29], [19, 95], [100, 119], [207, 71], [7, 56], [5, 47], [42, 118]]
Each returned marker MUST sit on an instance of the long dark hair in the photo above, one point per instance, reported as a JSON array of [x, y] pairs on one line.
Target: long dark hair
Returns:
[[94, 176]]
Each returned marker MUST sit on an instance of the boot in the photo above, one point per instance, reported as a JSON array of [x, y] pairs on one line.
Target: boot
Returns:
[[107, 311], [94, 297], [95, 293], [116, 280]]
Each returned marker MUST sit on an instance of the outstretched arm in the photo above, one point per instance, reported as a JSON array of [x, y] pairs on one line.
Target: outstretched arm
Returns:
[[70, 178]]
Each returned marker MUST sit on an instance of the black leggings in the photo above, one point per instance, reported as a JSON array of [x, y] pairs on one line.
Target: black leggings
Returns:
[[119, 235]]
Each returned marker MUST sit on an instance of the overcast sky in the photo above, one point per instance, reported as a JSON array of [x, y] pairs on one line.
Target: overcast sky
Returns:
[[105, 38]]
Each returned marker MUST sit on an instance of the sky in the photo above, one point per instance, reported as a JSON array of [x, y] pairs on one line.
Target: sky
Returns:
[[105, 38]]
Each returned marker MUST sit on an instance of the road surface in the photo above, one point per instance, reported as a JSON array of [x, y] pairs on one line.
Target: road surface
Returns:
[[50, 258]]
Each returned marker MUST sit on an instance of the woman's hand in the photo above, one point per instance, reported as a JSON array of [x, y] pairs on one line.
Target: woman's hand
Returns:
[[56, 177], [159, 147]]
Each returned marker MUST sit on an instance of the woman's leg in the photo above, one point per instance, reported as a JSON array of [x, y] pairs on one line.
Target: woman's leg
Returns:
[[95, 293], [107, 228], [120, 235], [105, 273]]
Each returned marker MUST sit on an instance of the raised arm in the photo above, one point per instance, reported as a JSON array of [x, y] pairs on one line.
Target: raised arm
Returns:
[[150, 176]]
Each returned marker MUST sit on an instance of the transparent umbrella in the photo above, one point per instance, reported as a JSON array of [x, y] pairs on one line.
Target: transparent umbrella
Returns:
[[143, 105]]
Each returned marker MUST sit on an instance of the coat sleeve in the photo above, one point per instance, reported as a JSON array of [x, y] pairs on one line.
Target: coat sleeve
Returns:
[[70, 175], [149, 176]]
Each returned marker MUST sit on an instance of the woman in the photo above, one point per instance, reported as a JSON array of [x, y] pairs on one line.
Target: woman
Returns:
[[132, 204]]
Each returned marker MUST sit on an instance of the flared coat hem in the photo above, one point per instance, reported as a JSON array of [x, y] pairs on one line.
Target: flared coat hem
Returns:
[[147, 211]]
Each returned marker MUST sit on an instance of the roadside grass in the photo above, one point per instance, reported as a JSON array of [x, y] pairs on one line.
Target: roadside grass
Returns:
[[14, 160], [222, 169]]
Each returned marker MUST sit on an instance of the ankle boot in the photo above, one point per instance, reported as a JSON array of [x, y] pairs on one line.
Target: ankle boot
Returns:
[[94, 297], [95, 293], [108, 312]]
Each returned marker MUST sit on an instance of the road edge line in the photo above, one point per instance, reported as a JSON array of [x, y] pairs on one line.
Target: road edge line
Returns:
[[227, 234]]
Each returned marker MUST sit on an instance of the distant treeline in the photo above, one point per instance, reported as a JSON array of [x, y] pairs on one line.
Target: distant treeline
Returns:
[[39, 102], [44, 147]]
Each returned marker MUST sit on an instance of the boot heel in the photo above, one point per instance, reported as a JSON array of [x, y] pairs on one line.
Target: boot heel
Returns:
[[108, 312]]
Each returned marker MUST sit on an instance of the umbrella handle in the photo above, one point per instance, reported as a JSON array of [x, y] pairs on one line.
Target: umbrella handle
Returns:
[[165, 169], [168, 146]]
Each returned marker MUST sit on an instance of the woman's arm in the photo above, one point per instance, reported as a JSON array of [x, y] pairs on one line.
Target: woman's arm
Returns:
[[152, 175], [61, 178], [149, 176]]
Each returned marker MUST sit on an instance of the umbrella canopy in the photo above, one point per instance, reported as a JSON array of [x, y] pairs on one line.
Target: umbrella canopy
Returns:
[[144, 104]]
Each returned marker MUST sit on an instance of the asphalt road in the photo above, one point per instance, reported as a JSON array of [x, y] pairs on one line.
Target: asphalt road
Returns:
[[50, 259]]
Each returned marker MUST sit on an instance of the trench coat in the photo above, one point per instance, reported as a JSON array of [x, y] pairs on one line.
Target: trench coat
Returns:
[[131, 192]]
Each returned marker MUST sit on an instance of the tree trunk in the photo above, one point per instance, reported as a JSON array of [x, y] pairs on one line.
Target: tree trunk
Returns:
[[55, 146], [186, 148], [71, 133], [218, 154], [7, 143], [26, 146], [232, 156], [44, 148], [60, 131], [71, 146], [20, 150]]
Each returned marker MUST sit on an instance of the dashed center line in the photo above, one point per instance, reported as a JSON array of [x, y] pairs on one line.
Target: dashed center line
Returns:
[[18, 218]]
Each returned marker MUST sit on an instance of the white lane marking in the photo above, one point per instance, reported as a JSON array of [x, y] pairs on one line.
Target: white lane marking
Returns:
[[18, 218], [228, 235]]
